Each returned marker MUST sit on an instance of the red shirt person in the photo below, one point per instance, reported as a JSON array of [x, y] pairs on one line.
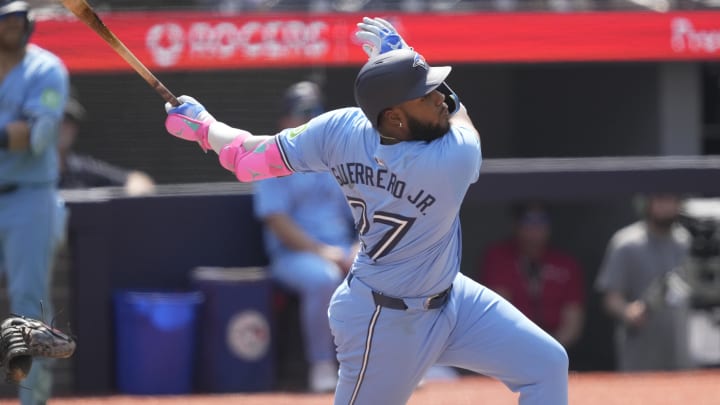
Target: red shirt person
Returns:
[[541, 281]]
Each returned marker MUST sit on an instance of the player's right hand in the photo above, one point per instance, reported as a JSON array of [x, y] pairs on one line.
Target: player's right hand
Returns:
[[191, 108], [379, 36], [189, 121], [336, 255]]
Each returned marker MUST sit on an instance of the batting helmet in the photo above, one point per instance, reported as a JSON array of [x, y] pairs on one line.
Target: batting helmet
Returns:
[[397, 76], [8, 7]]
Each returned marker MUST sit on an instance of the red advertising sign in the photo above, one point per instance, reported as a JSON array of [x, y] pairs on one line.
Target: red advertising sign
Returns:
[[193, 41]]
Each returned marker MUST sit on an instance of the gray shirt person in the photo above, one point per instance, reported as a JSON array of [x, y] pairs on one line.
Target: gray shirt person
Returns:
[[635, 265]]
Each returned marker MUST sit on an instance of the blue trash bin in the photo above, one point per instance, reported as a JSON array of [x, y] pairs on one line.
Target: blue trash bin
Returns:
[[235, 351], [155, 341]]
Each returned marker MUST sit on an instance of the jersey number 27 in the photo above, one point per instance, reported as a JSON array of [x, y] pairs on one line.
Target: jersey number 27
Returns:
[[398, 227]]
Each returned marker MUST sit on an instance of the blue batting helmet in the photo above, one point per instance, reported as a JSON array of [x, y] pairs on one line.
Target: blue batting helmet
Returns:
[[398, 76]]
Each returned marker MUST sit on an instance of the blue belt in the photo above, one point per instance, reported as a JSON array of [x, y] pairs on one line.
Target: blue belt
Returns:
[[432, 302]]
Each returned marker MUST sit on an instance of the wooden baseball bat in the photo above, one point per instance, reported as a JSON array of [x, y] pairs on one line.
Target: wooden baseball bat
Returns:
[[86, 14]]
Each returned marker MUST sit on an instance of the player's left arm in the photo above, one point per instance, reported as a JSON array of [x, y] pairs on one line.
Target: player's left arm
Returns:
[[256, 157], [461, 157], [43, 111], [462, 119], [249, 157]]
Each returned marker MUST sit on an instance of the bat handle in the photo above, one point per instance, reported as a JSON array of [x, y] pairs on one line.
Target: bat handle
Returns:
[[167, 94]]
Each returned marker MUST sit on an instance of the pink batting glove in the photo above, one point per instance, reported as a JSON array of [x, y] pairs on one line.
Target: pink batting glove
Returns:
[[189, 121]]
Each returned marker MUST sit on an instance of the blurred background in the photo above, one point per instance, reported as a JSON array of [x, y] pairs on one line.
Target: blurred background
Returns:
[[581, 104]]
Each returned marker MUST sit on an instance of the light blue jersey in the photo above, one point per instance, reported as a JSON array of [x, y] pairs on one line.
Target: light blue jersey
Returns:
[[399, 194], [37, 86]]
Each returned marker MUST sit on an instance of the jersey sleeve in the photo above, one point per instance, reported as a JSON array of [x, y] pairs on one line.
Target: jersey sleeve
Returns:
[[45, 102], [309, 147], [48, 91], [271, 196], [469, 153], [456, 163]]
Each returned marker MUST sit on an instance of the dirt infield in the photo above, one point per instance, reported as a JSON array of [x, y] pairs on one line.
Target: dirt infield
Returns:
[[691, 388]]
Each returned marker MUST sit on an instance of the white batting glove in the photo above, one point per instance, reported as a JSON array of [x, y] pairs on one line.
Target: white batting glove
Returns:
[[379, 36]]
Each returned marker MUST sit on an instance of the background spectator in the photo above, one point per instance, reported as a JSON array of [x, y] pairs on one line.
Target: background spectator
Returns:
[[543, 282], [651, 326]]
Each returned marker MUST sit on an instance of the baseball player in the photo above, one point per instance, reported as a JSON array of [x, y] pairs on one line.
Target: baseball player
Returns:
[[404, 160], [32, 97]]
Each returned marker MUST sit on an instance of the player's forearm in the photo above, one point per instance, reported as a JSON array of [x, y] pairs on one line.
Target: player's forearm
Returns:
[[15, 136], [290, 234], [22, 136], [461, 118], [43, 134], [220, 135], [251, 158]]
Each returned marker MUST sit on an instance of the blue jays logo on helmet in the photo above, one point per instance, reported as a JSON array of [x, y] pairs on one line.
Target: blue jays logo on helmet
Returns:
[[420, 61]]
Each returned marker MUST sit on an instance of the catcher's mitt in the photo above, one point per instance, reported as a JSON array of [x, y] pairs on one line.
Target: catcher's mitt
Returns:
[[23, 338]]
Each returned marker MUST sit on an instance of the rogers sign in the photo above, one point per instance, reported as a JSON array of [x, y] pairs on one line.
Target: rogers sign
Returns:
[[169, 42], [213, 41]]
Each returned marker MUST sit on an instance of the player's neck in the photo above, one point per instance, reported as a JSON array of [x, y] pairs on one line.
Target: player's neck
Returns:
[[390, 135], [386, 140]]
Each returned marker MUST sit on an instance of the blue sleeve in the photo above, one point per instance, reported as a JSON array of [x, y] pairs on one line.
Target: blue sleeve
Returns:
[[308, 148], [458, 160], [272, 196], [469, 153], [45, 104], [48, 92]]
